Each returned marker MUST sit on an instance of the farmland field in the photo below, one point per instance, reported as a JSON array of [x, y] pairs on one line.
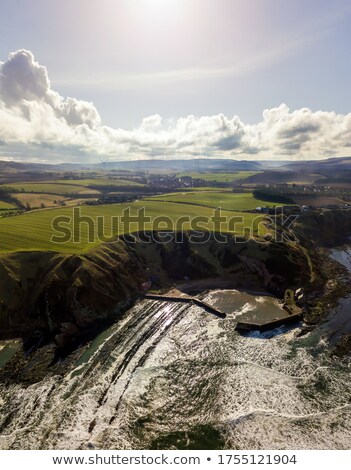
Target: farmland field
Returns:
[[32, 231], [220, 177], [207, 188], [35, 200], [225, 200], [100, 182], [50, 188], [7, 205]]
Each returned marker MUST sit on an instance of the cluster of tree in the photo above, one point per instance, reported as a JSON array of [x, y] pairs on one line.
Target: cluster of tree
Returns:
[[272, 196], [6, 196], [27, 207], [11, 213]]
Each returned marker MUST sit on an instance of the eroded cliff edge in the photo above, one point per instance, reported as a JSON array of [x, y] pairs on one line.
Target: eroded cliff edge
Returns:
[[64, 297]]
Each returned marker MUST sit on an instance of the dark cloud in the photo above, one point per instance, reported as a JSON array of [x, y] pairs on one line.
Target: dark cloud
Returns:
[[291, 146], [299, 130], [231, 142]]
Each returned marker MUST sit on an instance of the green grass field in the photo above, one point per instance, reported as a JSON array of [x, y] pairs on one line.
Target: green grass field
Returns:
[[206, 188], [100, 182], [68, 187], [7, 205], [225, 200], [50, 188], [220, 177], [33, 231]]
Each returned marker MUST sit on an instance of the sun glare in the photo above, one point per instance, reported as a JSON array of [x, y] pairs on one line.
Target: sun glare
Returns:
[[158, 5]]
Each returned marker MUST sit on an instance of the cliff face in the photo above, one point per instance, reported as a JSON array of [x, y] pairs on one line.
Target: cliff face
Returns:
[[325, 228], [64, 296]]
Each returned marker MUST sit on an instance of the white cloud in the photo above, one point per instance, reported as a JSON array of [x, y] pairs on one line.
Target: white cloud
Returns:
[[152, 123], [38, 123], [22, 78]]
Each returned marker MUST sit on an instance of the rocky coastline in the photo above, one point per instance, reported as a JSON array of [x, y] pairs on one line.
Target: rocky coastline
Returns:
[[54, 302]]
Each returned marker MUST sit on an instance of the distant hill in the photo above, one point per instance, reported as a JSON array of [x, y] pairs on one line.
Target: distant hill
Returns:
[[338, 163], [19, 166], [280, 176], [202, 164], [196, 164]]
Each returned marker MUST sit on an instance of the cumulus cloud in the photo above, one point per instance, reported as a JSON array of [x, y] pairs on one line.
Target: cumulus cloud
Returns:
[[35, 121], [22, 78]]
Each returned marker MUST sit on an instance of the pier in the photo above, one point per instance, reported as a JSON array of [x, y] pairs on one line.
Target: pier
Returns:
[[294, 312], [271, 325], [187, 299]]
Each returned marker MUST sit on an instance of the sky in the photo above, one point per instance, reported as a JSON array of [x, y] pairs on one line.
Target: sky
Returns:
[[82, 81]]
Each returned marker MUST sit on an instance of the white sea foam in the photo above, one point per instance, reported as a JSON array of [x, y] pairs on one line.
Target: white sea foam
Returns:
[[167, 367]]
